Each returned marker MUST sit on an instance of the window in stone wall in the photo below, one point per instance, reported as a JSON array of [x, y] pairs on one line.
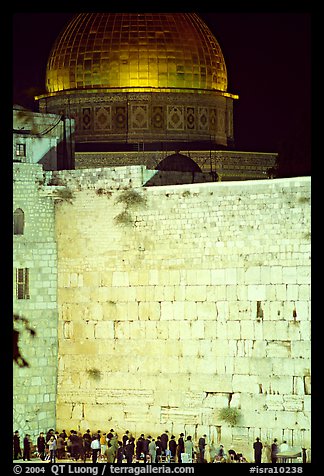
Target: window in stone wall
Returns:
[[19, 222], [22, 283], [20, 150]]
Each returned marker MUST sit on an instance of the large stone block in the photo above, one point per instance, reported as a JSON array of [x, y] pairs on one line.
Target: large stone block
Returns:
[[122, 330], [167, 311], [217, 276], [197, 329], [293, 403], [188, 310], [149, 310], [234, 330], [206, 311], [256, 292], [253, 275], [289, 274], [304, 292], [303, 310], [222, 310], [245, 383], [230, 276], [196, 293], [278, 349], [216, 400], [222, 330], [215, 383], [259, 348], [241, 365], [104, 330], [301, 349], [304, 275]]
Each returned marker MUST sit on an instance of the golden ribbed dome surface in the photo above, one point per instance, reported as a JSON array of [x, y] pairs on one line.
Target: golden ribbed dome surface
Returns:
[[131, 51]]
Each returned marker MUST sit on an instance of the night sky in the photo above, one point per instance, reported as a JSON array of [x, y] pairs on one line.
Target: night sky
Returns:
[[268, 59]]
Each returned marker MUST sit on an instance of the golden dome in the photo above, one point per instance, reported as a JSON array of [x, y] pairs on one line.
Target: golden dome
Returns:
[[131, 52]]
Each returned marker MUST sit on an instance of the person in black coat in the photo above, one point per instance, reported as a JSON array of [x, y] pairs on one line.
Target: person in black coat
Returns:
[[16, 445], [159, 449], [87, 443], [274, 451], [26, 454], [164, 441], [49, 434], [201, 446], [180, 447], [120, 452], [257, 446], [41, 446], [139, 446], [173, 446], [129, 450], [145, 450], [125, 437]]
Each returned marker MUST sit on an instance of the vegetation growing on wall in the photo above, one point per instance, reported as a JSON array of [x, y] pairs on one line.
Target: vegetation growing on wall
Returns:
[[130, 199], [123, 218], [17, 355], [65, 194], [102, 191], [95, 374], [230, 415]]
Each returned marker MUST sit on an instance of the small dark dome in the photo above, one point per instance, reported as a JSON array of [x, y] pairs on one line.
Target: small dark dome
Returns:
[[178, 163]]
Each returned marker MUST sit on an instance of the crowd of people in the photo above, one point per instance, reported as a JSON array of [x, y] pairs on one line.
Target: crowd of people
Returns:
[[108, 447]]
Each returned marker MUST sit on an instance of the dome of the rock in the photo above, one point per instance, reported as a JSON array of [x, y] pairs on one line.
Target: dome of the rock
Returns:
[[131, 51], [158, 80]]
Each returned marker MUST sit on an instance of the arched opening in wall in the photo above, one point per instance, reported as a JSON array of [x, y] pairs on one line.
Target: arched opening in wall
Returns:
[[18, 222]]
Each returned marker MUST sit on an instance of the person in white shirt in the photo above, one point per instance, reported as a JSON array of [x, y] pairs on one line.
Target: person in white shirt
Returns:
[[52, 448], [95, 447], [282, 449]]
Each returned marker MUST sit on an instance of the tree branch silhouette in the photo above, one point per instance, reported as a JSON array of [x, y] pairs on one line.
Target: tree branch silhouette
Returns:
[[17, 355]]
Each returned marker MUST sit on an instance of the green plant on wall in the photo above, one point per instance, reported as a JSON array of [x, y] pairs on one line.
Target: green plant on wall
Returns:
[[123, 218], [64, 194], [95, 374], [130, 199], [230, 415], [102, 191]]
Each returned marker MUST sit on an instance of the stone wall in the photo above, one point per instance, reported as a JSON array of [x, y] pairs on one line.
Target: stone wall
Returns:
[[177, 301], [34, 387]]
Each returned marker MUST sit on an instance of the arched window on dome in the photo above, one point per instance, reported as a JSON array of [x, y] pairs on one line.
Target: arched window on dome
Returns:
[[19, 222]]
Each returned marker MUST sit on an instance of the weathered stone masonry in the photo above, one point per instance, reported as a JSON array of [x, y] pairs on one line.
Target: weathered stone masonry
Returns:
[[34, 388], [198, 299]]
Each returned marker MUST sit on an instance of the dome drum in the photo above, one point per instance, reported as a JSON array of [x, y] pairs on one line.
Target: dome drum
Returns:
[[140, 117]]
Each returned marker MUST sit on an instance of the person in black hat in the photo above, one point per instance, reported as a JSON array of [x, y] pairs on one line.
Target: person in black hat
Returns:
[[146, 443], [257, 447], [41, 446], [201, 444], [139, 447], [164, 441], [173, 447], [180, 447], [16, 445], [26, 454]]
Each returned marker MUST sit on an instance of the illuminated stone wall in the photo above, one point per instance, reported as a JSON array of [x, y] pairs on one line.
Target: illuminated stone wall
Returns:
[[34, 388], [191, 299]]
